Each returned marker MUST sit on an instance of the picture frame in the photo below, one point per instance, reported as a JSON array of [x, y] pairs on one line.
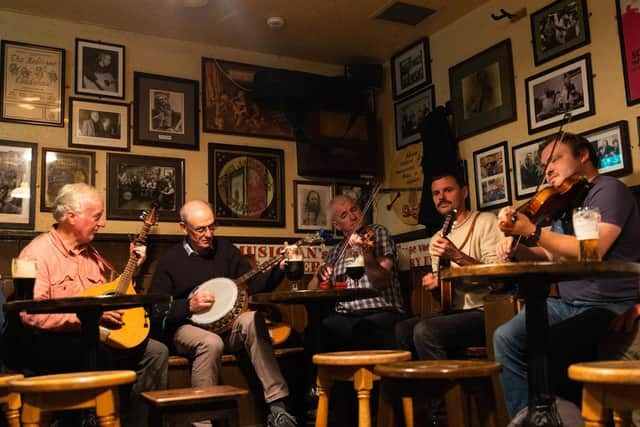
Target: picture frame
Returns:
[[612, 144], [32, 90], [18, 162], [558, 28], [100, 69], [135, 182], [311, 206], [482, 90], [60, 167], [246, 185], [228, 106], [411, 68], [565, 88], [361, 193], [527, 168], [99, 125], [166, 111], [626, 13], [491, 166], [409, 115]]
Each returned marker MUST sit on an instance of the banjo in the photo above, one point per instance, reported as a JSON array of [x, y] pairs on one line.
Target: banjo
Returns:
[[231, 295]]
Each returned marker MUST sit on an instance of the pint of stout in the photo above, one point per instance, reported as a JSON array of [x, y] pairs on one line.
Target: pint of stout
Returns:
[[586, 225]]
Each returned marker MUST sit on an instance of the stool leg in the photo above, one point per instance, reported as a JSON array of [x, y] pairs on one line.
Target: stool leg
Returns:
[[363, 384], [107, 409], [386, 399], [324, 388], [622, 418], [592, 410], [486, 403], [455, 399], [12, 410], [407, 409], [30, 415]]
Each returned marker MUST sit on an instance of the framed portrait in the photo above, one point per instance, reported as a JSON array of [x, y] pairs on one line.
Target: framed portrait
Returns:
[[558, 28], [628, 12], [361, 193], [17, 184], [411, 68], [410, 113], [135, 183], [166, 111], [311, 206], [491, 166], [611, 142], [482, 91], [246, 185], [527, 168], [32, 90], [99, 125], [229, 107], [60, 167], [100, 69]]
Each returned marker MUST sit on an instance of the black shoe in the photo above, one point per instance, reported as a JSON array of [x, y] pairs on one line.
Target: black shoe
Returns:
[[281, 419]]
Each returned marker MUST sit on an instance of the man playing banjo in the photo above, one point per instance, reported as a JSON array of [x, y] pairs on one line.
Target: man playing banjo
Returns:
[[199, 257]]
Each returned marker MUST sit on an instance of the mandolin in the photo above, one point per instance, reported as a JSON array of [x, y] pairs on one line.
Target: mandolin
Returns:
[[444, 286]]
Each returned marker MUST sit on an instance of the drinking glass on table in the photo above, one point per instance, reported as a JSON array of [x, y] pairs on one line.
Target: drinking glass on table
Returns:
[[354, 262], [294, 266], [586, 226]]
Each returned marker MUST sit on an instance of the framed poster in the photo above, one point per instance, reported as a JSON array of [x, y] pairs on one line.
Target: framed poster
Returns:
[[310, 206], [246, 185], [32, 90], [99, 125], [628, 25], [100, 69], [611, 142], [491, 166], [527, 168], [411, 68], [17, 184], [409, 114], [60, 167]]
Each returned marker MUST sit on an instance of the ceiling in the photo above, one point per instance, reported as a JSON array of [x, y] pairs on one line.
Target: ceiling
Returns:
[[330, 31]]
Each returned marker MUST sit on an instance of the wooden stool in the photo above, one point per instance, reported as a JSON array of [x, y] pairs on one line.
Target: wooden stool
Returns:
[[608, 385], [181, 406], [456, 380], [80, 390], [354, 366], [10, 400]]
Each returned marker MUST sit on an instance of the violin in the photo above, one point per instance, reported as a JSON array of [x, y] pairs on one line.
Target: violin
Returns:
[[367, 234]]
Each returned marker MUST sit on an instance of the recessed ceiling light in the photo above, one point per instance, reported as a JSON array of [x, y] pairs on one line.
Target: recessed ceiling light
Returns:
[[275, 22]]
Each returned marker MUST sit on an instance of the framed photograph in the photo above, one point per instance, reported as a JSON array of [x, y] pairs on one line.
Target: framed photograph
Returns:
[[134, 183], [491, 166], [246, 185], [310, 206], [411, 68], [410, 113], [482, 91], [99, 125], [558, 28], [527, 168], [100, 69], [361, 193], [229, 107], [32, 88], [166, 111], [611, 142], [60, 167], [566, 88], [17, 184], [628, 12]]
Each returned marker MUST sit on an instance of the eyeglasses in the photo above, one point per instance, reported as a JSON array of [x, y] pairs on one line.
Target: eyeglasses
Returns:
[[203, 229]]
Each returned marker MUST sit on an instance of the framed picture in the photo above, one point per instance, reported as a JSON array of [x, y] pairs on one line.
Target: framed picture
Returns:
[[99, 125], [228, 105], [17, 184], [558, 28], [527, 168], [32, 89], [246, 185], [482, 91], [628, 12], [611, 142], [491, 167], [411, 68], [60, 167], [100, 69], [166, 111], [136, 182], [410, 113], [361, 193], [566, 88], [311, 206]]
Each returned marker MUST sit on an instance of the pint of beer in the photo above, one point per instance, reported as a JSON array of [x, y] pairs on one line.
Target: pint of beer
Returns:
[[586, 225]]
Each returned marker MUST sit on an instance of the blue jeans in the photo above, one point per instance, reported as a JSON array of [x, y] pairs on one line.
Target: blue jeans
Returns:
[[575, 328]]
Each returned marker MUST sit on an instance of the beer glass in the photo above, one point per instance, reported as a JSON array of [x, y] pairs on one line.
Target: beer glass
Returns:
[[586, 226], [354, 262], [295, 266]]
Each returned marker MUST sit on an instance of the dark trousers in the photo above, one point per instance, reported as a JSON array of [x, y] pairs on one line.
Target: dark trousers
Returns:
[[359, 330]]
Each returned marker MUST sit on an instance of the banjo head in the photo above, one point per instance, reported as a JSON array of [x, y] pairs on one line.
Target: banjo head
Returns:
[[226, 293]]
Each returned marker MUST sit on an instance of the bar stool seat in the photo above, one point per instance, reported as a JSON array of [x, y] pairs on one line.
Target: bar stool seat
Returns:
[[79, 390], [10, 400], [352, 366]]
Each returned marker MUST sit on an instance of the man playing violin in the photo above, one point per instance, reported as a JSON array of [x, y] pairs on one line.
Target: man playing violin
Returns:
[[582, 313]]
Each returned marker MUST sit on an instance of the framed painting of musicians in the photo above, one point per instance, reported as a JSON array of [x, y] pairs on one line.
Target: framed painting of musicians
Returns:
[[100, 69]]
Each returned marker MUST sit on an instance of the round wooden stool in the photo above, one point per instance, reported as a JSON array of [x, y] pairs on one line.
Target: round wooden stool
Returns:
[[356, 367], [611, 385], [456, 380], [80, 390], [10, 400]]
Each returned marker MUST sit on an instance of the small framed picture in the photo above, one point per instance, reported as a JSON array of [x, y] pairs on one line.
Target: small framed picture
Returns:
[[60, 167], [491, 167], [611, 142], [527, 168], [411, 68], [17, 184], [410, 113], [565, 88], [99, 125], [100, 69], [627, 14], [361, 194], [311, 205]]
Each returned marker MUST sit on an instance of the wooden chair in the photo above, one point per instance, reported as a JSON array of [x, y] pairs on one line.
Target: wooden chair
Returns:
[[10, 400]]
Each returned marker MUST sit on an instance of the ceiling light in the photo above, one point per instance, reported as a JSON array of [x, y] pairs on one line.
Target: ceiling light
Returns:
[[275, 22]]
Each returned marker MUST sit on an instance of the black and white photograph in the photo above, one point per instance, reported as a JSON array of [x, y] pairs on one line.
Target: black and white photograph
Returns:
[[61, 167], [167, 111], [410, 113], [311, 201], [100, 69], [611, 142], [99, 124], [17, 184], [481, 91], [491, 167], [411, 68], [527, 168]]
